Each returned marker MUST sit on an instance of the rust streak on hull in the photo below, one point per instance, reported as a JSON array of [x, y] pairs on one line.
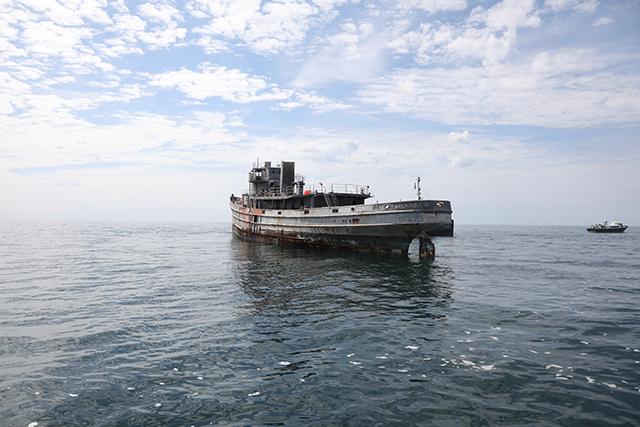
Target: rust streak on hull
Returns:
[[386, 232]]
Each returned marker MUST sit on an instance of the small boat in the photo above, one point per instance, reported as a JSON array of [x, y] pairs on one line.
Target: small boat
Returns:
[[613, 227]]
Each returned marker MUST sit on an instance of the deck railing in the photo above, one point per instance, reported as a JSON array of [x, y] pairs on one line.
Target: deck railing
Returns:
[[320, 188], [338, 188]]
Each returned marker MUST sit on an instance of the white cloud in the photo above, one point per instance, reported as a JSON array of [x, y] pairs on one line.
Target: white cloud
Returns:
[[55, 163], [47, 41], [488, 34], [216, 81], [323, 155], [36, 104], [115, 47], [11, 91], [459, 136], [236, 86], [20, 96], [603, 20], [265, 28], [68, 12], [507, 15], [164, 30], [354, 54], [48, 38], [80, 37], [212, 45], [52, 137], [128, 25], [160, 30], [278, 26], [162, 37], [433, 6], [571, 88], [587, 6], [160, 12], [226, 17], [328, 5], [83, 32], [314, 102], [351, 43], [290, 105]]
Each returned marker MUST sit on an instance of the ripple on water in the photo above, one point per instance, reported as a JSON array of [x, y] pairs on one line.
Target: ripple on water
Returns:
[[180, 324]]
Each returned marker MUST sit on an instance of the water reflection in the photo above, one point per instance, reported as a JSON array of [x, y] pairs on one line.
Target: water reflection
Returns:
[[286, 280], [183, 325]]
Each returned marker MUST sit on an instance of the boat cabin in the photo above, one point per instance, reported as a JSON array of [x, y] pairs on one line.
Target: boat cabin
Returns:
[[278, 187]]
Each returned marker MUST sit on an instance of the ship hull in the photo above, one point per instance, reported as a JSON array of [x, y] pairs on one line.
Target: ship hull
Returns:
[[382, 228], [607, 230]]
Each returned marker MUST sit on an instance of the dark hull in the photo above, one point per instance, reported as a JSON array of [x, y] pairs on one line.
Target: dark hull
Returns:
[[607, 230], [363, 243]]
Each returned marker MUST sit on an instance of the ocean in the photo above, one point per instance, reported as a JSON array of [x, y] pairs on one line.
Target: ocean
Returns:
[[181, 324]]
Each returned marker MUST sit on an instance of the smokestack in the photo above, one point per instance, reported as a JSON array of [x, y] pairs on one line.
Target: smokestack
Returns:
[[287, 175]]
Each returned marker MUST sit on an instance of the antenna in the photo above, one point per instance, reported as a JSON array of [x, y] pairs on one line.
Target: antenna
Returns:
[[416, 186]]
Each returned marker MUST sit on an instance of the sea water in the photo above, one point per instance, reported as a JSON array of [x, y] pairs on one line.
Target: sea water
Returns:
[[182, 324]]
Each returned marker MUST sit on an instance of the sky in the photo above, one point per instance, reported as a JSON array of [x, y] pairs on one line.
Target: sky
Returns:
[[518, 111]]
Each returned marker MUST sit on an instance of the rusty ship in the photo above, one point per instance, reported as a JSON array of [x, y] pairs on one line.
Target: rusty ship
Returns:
[[280, 208]]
